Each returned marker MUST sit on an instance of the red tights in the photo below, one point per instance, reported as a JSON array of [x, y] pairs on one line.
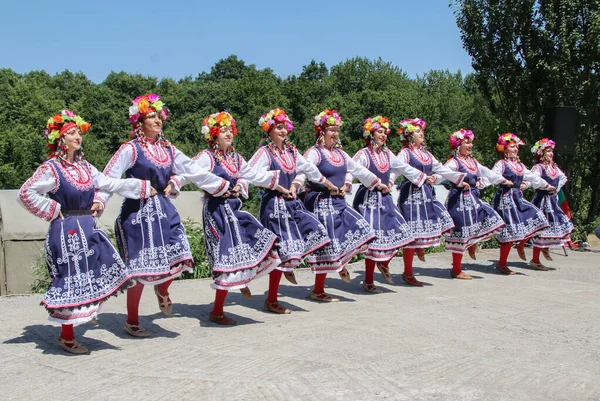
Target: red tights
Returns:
[[536, 254], [456, 262], [219, 302], [134, 294], [504, 252], [67, 332], [274, 279], [407, 255], [320, 283], [369, 271]]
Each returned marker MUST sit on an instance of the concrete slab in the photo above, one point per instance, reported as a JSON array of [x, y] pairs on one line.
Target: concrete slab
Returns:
[[533, 336]]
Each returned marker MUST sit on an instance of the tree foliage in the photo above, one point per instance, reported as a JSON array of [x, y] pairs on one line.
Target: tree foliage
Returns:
[[532, 54]]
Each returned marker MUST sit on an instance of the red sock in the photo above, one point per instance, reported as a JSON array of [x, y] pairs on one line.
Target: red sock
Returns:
[[504, 251], [134, 294], [536, 254], [163, 289], [320, 283], [473, 248], [369, 271], [456, 262], [522, 243], [67, 332], [408, 254], [274, 279], [420, 252], [219, 302]]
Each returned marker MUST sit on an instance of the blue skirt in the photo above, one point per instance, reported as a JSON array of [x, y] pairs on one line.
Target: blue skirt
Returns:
[[560, 226], [238, 247], [391, 230], [348, 231], [522, 219], [152, 240], [299, 232], [85, 269]]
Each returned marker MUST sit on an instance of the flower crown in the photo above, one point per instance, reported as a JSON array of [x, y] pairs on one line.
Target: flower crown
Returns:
[[373, 124], [211, 126], [327, 118], [274, 117], [407, 127], [144, 105], [457, 137], [540, 146], [59, 124], [505, 139]]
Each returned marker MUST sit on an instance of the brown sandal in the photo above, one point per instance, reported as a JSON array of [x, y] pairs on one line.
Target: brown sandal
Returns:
[[136, 330], [521, 252], [411, 280], [546, 253], [385, 271], [164, 303], [538, 266], [72, 346], [370, 287], [345, 275], [461, 276], [291, 277], [276, 308], [504, 270], [420, 254], [221, 319], [246, 292], [472, 252], [323, 297]]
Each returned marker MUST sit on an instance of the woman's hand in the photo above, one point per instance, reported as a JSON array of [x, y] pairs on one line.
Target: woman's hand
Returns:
[[552, 189], [509, 183], [382, 187], [236, 191], [226, 194], [430, 180], [167, 190], [98, 209], [465, 186], [523, 186], [330, 186]]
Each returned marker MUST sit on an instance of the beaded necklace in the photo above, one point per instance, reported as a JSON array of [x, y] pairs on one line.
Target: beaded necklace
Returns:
[[333, 156], [383, 164]]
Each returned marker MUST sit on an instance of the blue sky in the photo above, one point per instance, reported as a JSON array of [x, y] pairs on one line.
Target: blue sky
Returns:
[[180, 38]]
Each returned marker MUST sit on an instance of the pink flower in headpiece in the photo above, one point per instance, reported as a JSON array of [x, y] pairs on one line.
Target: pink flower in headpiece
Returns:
[[457, 137], [68, 113], [505, 139], [153, 97], [540, 146]]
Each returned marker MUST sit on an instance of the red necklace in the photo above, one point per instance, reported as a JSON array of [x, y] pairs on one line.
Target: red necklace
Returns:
[[154, 151], [469, 162], [422, 155], [227, 160], [551, 169], [515, 165], [383, 164], [333, 156], [286, 160]]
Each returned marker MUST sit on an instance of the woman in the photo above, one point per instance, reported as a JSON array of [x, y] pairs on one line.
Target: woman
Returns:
[[84, 266], [151, 238], [378, 207], [523, 220], [349, 232], [238, 247], [299, 232], [474, 220], [558, 233], [427, 217]]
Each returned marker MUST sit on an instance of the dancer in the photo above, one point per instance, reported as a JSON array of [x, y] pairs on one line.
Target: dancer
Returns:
[[558, 233], [84, 266], [238, 247], [474, 220], [427, 217], [378, 207], [349, 232], [523, 220], [299, 232], [150, 236]]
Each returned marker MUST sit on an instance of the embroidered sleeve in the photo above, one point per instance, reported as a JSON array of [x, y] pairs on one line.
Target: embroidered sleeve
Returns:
[[562, 179], [399, 167], [33, 194], [257, 174], [306, 166], [488, 177], [131, 188], [121, 161], [191, 171], [534, 180], [367, 178], [444, 173]]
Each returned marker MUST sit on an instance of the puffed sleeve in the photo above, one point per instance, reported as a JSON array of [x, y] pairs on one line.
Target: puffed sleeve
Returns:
[[257, 172], [190, 171], [33, 194], [131, 188], [562, 179], [531, 179], [400, 167], [306, 167], [367, 178], [444, 173], [121, 161], [489, 177]]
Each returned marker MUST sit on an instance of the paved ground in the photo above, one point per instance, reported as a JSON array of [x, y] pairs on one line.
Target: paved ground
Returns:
[[534, 336]]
